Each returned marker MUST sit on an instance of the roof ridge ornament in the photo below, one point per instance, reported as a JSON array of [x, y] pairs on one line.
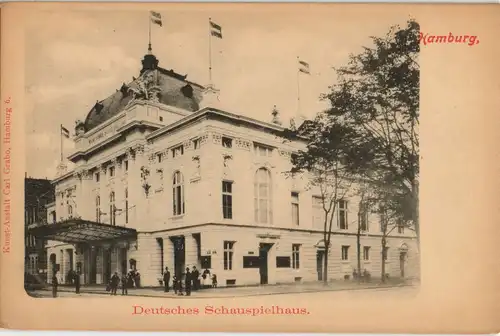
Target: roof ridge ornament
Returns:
[[276, 119]]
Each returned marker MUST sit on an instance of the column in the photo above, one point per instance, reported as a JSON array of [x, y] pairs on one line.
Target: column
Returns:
[[135, 190], [168, 255], [62, 270], [191, 247]]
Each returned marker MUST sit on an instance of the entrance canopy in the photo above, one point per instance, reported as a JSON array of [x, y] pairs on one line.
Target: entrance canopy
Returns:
[[75, 231]]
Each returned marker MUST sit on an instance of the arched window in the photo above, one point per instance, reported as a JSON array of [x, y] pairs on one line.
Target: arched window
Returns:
[[112, 212], [98, 209], [126, 206], [178, 193], [263, 197]]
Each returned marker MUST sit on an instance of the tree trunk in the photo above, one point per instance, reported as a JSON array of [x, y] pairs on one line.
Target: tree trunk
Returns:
[[325, 262], [358, 238], [383, 259]]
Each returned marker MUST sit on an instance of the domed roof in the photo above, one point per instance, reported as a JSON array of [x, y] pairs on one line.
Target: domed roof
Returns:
[[172, 89]]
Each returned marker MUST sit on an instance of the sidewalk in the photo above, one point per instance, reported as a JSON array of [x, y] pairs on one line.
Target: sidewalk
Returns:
[[244, 291]]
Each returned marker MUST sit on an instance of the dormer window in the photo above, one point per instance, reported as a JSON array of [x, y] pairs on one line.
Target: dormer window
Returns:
[[177, 151], [227, 142], [98, 107]]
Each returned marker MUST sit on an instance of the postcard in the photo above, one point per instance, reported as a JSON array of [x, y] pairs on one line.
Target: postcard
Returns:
[[249, 167]]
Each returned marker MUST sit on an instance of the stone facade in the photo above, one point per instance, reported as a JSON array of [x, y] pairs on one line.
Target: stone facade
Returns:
[[134, 174]]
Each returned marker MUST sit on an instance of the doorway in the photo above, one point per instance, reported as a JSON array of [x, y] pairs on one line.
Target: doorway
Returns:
[[106, 263], [402, 262], [179, 255], [320, 254], [263, 262], [92, 265], [123, 261]]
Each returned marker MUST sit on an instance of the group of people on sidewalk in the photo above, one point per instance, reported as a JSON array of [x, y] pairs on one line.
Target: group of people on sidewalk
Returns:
[[189, 281], [126, 281], [186, 282]]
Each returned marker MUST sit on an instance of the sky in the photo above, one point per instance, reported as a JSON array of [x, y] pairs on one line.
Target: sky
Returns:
[[74, 58]]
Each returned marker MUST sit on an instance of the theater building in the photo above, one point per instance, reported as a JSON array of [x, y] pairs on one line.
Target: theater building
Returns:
[[163, 176]]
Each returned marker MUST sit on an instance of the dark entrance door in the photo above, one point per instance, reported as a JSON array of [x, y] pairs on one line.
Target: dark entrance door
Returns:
[[319, 264], [263, 262], [179, 255], [93, 265], [106, 259], [402, 260], [123, 260]]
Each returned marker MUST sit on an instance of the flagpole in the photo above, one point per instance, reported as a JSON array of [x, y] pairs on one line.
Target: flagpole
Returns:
[[209, 53], [60, 133], [298, 90], [149, 45]]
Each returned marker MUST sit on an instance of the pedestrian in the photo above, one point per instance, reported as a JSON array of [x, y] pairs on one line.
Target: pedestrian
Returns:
[[166, 279], [214, 281], [54, 284], [177, 285], [124, 284], [77, 282], [195, 275], [188, 282], [115, 280]]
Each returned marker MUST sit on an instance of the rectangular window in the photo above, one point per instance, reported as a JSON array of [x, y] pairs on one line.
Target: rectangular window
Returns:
[[228, 255], [295, 208], [227, 199], [366, 252], [125, 164], [111, 171], [345, 252], [196, 143], [342, 211], [364, 219], [159, 157], [401, 227], [282, 262], [296, 256], [263, 151], [227, 142], [251, 262], [126, 206], [97, 177], [178, 151], [385, 253]]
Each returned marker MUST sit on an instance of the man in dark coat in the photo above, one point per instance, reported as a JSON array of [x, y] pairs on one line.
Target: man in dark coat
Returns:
[[188, 282], [115, 280], [166, 279], [54, 284], [77, 282], [195, 277], [124, 284]]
